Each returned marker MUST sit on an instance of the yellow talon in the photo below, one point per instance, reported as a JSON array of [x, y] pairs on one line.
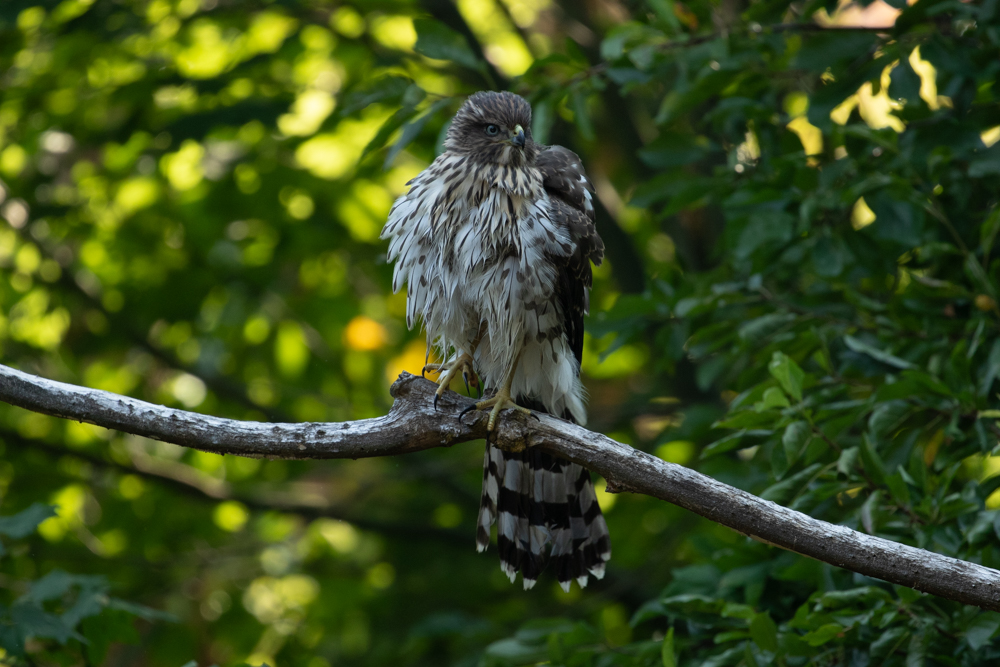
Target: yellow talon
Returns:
[[461, 364], [500, 401]]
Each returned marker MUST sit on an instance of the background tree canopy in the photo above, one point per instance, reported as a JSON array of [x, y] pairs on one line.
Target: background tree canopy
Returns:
[[800, 299]]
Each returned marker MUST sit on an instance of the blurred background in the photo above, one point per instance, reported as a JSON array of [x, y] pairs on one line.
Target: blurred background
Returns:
[[192, 193]]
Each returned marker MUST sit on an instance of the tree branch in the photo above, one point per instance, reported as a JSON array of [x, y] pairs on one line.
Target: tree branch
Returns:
[[413, 425]]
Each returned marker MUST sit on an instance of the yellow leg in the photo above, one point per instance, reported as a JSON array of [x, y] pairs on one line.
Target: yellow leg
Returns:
[[500, 401], [461, 364]]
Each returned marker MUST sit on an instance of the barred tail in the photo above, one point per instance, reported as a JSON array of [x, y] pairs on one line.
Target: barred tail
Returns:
[[538, 500]]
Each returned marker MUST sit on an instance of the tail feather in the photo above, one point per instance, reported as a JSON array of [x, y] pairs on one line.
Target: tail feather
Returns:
[[545, 508], [493, 472]]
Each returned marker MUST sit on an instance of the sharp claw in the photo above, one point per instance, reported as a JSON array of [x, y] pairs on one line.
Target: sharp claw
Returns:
[[436, 397], [535, 416], [467, 410]]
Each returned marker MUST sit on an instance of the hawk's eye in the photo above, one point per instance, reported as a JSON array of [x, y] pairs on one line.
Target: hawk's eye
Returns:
[[492, 130]]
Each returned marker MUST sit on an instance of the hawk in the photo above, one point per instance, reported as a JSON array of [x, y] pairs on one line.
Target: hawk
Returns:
[[494, 241]]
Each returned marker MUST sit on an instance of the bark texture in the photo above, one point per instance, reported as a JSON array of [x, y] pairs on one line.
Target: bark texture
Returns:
[[413, 425]]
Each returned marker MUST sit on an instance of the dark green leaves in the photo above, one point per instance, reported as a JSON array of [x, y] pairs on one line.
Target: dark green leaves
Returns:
[[60, 606], [982, 629], [24, 523], [830, 49], [436, 40], [412, 129], [673, 149], [847, 371]]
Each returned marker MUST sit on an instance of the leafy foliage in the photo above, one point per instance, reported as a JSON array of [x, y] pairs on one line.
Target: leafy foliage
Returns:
[[64, 607], [800, 300]]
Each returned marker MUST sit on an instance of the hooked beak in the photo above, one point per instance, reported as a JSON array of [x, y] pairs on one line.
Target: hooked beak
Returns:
[[517, 137]]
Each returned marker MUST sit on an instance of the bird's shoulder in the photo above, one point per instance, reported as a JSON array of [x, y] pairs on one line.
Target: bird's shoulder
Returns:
[[571, 196], [563, 175]]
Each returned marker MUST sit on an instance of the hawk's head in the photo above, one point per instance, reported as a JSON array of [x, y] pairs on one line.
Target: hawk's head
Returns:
[[493, 128]]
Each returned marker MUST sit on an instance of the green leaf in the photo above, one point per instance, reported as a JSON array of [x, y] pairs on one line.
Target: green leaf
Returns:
[[916, 653], [888, 642], [649, 610], [860, 598], [905, 83], [412, 129], [664, 10], [861, 347], [823, 634], [846, 461], [764, 230], [438, 41], [393, 123], [516, 652], [796, 436], [384, 88], [900, 222], [868, 512], [871, 461], [725, 659], [784, 490], [898, 488], [989, 371], [723, 445], [141, 611], [907, 594], [737, 610], [24, 523], [673, 149], [690, 604], [772, 398], [988, 164], [822, 51], [667, 652], [30, 620], [788, 374], [764, 632], [542, 118], [747, 418], [982, 629], [53, 585], [581, 117], [538, 630], [887, 416]]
